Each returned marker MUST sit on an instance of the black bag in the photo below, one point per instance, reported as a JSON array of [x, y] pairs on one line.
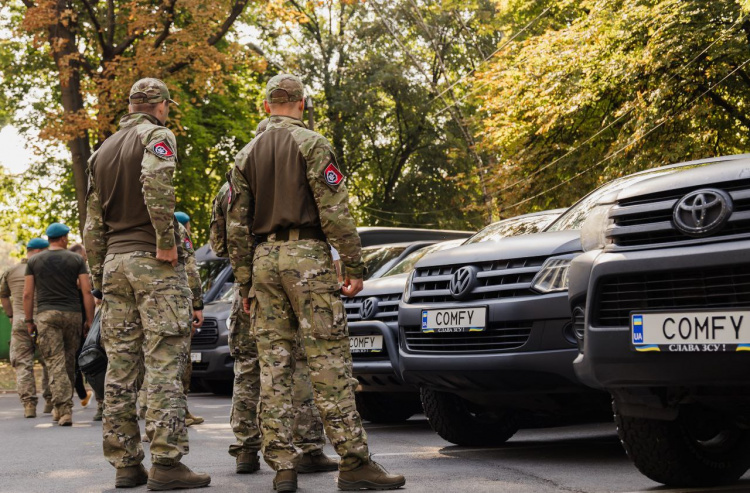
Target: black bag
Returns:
[[93, 360]]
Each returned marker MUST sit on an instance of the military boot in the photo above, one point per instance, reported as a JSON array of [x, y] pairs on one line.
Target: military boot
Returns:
[[130, 477], [29, 410], [48, 407], [178, 476], [65, 420], [247, 463], [316, 462], [55, 415], [191, 420], [99, 410], [285, 481], [369, 476]]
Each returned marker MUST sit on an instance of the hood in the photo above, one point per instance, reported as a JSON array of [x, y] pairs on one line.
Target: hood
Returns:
[[384, 286], [690, 175], [217, 309], [533, 245]]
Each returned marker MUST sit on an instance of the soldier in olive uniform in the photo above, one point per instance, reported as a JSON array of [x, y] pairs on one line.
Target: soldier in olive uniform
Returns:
[[52, 279], [288, 196], [308, 427], [22, 346], [132, 240]]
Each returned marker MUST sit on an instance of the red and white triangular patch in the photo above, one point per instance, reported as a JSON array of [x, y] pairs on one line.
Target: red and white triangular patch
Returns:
[[332, 175], [162, 149]]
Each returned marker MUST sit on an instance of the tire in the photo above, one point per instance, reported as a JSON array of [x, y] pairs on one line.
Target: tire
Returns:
[[378, 407], [670, 453], [462, 423]]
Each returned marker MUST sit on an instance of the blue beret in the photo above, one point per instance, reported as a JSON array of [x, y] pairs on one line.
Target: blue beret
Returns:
[[182, 217], [37, 244], [56, 230]]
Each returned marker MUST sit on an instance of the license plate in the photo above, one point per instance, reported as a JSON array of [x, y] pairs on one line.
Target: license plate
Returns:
[[366, 344], [691, 331], [195, 357], [454, 320]]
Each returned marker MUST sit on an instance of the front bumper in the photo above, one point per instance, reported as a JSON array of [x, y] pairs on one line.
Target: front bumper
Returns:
[[608, 360], [542, 365], [376, 372]]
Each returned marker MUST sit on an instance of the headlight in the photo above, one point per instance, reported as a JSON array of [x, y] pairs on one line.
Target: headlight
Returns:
[[593, 232], [407, 288], [553, 277]]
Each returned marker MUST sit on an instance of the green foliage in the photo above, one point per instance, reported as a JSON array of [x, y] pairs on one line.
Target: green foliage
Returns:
[[623, 86]]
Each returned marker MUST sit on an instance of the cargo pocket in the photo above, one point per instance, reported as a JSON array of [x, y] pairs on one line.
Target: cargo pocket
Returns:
[[172, 313], [327, 311], [242, 333]]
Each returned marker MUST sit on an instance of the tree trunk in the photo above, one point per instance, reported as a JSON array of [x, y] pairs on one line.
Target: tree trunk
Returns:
[[62, 41]]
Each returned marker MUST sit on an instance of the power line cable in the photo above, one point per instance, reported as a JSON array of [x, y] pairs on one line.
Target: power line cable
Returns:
[[633, 141]]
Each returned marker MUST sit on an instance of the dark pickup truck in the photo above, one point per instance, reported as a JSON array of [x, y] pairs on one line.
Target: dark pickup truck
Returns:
[[661, 300]]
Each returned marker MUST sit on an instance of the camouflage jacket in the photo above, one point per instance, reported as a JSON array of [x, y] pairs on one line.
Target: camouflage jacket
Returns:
[[158, 160], [191, 268], [328, 191]]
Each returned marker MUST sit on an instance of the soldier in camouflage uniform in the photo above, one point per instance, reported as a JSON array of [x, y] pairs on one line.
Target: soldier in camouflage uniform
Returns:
[[132, 239], [288, 197], [308, 427], [53, 278], [196, 288], [22, 346]]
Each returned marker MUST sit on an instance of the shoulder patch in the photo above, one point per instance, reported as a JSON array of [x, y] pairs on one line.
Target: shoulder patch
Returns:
[[162, 149], [188, 243], [332, 174]]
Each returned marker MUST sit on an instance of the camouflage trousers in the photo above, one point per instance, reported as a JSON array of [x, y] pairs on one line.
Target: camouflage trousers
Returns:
[[22, 360], [59, 336], [145, 315], [297, 297], [308, 427]]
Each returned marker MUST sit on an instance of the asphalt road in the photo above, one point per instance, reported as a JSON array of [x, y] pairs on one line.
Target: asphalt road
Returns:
[[36, 456]]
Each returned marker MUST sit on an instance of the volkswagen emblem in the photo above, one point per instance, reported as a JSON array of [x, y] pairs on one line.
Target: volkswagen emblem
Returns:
[[462, 282], [702, 212], [369, 308]]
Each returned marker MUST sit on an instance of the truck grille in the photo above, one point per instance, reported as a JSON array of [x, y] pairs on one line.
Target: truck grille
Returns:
[[209, 333], [648, 220], [499, 336], [387, 308], [713, 287], [498, 279]]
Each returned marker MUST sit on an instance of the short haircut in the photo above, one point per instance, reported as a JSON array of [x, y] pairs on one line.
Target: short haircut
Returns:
[[144, 107], [77, 248]]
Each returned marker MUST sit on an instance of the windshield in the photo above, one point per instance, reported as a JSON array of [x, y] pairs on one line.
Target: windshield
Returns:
[[407, 264], [376, 257], [210, 271], [576, 215], [516, 226]]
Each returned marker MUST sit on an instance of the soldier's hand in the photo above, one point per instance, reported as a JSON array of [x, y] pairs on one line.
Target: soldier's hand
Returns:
[[352, 287], [246, 305], [168, 256], [31, 328], [197, 320], [86, 328]]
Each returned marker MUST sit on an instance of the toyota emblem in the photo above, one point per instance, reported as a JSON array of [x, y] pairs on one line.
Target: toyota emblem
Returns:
[[369, 308], [462, 282], [703, 212]]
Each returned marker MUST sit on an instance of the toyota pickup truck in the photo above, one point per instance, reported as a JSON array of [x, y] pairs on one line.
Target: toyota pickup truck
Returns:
[[661, 304]]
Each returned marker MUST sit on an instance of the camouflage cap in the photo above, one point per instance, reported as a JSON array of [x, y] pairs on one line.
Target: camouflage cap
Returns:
[[290, 84], [149, 90]]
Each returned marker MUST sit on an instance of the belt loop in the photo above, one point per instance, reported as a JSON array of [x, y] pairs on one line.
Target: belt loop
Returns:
[[293, 234]]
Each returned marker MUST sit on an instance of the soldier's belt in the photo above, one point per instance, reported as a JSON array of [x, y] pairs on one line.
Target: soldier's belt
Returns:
[[293, 234], [180, 258]]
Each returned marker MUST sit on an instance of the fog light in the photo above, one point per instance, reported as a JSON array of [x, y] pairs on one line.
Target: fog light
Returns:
[[579, 322]]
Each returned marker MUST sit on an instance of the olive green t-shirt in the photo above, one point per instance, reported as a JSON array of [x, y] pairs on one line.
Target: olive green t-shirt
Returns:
[[55, 278]]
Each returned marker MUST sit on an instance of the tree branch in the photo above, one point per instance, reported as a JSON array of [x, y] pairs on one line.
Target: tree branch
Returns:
[[237, 9], [168, 10], [97, 26], [727, 106], [110, 22]]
